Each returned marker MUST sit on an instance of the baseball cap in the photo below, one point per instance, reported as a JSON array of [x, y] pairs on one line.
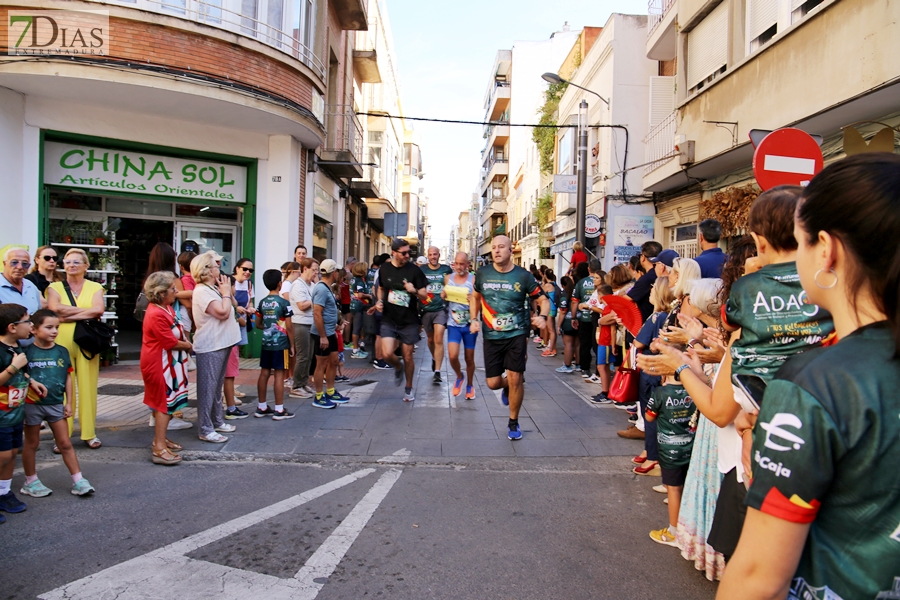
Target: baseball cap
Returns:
[[190, 246], [421, 260], [328, 266], [666, 257]]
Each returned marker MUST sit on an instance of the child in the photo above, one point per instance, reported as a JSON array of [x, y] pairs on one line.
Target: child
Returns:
[[277, 346], [673, 407], [605, 340], [14, 383], [339, 376], [360, 301], [49, 364]]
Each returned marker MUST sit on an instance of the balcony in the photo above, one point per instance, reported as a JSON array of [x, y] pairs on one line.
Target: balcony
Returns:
[[351, 14], [662, 30], [660, 143], [498, 101], [365, 53], [498, 167], [276, 31], [368, 186], [497, 134], [343, 150]]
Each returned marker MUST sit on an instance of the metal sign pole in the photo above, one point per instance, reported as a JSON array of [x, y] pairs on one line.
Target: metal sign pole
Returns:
[[581, 198]]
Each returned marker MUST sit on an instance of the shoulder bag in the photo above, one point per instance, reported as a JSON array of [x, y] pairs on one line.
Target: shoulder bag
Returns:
[[92, 335], [624, 387]]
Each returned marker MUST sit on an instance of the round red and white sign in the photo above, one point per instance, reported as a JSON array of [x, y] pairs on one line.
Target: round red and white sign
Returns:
[[786, 156]]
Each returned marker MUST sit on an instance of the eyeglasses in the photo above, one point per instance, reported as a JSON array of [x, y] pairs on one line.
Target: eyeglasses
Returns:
[[403, 253], [49, 258], [245, 269], [72, 263], [22, 321], [19, 263]]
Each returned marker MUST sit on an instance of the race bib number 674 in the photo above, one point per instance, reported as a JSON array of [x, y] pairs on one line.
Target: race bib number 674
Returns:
[[505, 322]]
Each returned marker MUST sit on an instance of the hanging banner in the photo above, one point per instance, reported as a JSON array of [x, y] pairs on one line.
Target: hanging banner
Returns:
[[629, 232]]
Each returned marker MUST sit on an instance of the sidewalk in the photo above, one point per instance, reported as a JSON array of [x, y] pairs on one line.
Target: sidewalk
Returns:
[[557, 418]]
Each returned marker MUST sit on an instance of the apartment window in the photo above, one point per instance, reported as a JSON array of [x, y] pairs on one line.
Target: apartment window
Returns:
[[303, 23], [211, 11], [801, 8], [275, 21], [249, 14], [707, 48], [565, 152]]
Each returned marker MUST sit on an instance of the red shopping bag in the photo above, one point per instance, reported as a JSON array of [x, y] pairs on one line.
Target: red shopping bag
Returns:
[[624, 387]]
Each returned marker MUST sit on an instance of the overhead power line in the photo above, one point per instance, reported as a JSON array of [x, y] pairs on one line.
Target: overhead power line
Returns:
[[459, 122]]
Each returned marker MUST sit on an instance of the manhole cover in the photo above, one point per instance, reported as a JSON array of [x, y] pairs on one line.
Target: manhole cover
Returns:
[[360, 382], [118, 389]]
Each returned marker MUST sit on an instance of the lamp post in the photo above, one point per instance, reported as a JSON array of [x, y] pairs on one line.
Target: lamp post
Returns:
[[581, 195]]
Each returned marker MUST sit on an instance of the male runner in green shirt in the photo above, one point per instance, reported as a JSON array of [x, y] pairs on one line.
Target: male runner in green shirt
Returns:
[[434, 311]]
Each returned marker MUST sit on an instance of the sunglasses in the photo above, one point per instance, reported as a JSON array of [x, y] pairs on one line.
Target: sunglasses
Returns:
[[245, 269], [49, 258], [403, 253], [19, 263]]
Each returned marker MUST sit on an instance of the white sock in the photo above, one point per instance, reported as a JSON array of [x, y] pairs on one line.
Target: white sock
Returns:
[[262, 406], [29, 479], [673, 529], [76, 477], [5, 484], [279, 408]]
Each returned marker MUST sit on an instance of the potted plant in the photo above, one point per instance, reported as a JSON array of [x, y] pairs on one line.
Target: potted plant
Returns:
[[107, 357], [95, 230], [65, 231]]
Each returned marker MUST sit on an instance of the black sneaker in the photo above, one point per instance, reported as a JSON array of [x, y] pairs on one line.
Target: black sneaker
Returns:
[[382, 365], [398, 374], [632, 418], [236, 413], [9, 503], [281, 416], [601, 399], [263, 413], [437, 377]]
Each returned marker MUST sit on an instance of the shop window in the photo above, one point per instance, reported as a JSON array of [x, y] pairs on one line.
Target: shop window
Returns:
[[75, 201], [139, 207], [198, 211]]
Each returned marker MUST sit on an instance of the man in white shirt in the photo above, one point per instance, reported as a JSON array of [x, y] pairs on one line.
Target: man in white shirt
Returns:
[[302, 320]]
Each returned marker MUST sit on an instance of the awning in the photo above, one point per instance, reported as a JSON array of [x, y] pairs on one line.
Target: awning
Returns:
[[560, 247]]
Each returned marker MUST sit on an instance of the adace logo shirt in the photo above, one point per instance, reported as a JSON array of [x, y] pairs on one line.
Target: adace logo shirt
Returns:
[[274, 310], [674, 409], [504, 301], [584, 289]]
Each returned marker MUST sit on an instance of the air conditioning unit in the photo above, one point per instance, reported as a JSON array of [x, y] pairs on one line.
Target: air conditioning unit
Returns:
[[685, 151]]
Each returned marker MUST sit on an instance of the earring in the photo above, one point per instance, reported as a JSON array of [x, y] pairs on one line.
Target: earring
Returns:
[[826, 287]]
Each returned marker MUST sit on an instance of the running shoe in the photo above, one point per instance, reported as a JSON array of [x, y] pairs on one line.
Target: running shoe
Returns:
[[341, 378], [504, 397], [235, 413], [457, 386], [626, 406], [282, 416], [300, 393], [633, 418], [9, 503], [398, 374], [577, 368], [82, 488], [585, 375], [324, 402], [225, 428], [470, 392], [382, 365], [289, 382], [408, 397], [176, 423], [663, 536], [359, 354], [565, 369], [595, 379], [35, 489], [515, 432], [437, 377], [214, 438], [601, 399], [263, 413], [337, 398], [537, 340], [548, 352]]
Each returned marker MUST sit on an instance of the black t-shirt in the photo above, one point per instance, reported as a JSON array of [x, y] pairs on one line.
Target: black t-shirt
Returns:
[[39, 281], [640, 293], [400, 307]]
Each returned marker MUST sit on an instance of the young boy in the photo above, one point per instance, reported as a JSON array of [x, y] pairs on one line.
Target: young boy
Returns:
[[14, 383], [673, 408], [277, 346], [49, 364]]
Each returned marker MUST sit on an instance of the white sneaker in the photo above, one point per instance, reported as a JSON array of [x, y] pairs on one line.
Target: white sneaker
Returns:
[[226, 428], [152, 421], [176, 423], [309, 389], [289, 382], [215, 438], [300, 393], [594, 379]]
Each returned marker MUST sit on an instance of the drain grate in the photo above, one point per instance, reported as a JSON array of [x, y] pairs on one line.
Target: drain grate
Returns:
[[360, 382], [119, 389]]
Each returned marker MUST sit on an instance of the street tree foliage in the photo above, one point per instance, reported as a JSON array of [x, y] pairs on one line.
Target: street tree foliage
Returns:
[[545, 137]]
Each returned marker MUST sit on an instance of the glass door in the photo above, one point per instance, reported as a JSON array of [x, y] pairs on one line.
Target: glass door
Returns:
[[221, 238]]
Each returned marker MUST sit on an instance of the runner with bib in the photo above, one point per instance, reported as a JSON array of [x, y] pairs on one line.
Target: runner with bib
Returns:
[[457, 292], [434, 310]]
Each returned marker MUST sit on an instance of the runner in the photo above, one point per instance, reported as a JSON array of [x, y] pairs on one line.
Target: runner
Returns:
[[502, 291], [434, 311], [458, 285], [400, 284]]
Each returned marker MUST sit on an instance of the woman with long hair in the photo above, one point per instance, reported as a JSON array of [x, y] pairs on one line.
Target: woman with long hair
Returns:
[[45, 270]]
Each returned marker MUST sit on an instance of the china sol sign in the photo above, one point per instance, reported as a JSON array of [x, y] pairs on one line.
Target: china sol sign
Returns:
[[77, 166]]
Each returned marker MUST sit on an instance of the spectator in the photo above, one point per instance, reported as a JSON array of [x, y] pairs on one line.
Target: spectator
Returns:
[[578, 256], [299, 253], [711, 259], [640, 293], [44, 272], [15, 288], [302, 320]]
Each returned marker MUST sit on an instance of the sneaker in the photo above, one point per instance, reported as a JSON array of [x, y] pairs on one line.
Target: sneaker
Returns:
[[324, 403], [541, 346], [382, 365], [632, 433], [9, 503], [214, 438], [504, 398], [409, 397], [341, 378], [437, 377], [548, 352], [601, 399], [263, 413], [662, 489], [585, 375], [361, 354], [628, 407], [663, 536], [398, 374], [457, 386], [515, 432], [470, 392], [35, 489], [632, 410], [225, 428], [289, 382], [565, 369], [633, 418], [283, 415], [309, 389], [577, 368], [82, 488], [338, 398], [537, 340], [235, 413], [594, 379], [176, 423], [238, 394], [300, 393]]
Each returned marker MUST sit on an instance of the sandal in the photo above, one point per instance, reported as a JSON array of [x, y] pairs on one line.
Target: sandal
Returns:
[[173, 446], [93, 443], [164, 457], [639, 460]]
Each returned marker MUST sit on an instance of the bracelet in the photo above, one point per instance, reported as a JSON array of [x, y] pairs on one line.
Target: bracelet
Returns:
[[692, 341], [679, 370], [14, 368]]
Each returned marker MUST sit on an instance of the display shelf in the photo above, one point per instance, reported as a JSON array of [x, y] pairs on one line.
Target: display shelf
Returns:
[[99, 271], [73, 245]]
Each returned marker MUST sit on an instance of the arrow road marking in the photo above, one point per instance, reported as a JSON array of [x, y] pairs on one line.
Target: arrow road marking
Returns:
[[789, 164]]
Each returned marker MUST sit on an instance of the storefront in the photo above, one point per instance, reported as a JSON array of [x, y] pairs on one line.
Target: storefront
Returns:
[[117, 199]]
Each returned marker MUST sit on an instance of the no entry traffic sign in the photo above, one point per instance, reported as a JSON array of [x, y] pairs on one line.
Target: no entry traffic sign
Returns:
[[786, 156]]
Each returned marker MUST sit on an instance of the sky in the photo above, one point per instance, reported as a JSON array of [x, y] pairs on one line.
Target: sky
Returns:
[[445, 52]]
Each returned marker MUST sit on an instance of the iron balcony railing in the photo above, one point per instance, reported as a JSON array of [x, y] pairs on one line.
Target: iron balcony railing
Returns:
[[344, 131], [656, 12], [660, 142]]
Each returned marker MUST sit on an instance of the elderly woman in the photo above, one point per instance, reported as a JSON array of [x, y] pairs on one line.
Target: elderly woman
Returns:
[[164, 356], [46, 261], [88, 304], [216, 331]]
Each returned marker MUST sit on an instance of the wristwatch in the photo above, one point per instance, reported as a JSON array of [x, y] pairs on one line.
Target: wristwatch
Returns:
[[679, 370]]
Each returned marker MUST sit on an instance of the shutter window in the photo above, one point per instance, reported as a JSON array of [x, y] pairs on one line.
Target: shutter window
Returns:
[[708, 45], [795, 4], [763, 14], [662, 99]]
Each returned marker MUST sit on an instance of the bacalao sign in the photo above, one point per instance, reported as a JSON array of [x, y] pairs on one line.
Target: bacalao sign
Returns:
[[73, 165], [55, 32]]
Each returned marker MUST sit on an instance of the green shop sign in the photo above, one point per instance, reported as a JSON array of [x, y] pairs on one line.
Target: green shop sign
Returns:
[[73, 165]]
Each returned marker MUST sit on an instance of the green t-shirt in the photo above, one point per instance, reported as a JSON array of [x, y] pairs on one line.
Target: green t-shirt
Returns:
[[584, 289], [12, 394], [50, 366], [358, 285], [563, 304], [435, 279], [503, 301], [674, 409], [825, 451], [274, 310], [775, 318]]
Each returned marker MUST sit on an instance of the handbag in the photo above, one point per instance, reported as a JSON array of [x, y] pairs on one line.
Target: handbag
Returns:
[[92, 335], [624, 386], [140, 307]]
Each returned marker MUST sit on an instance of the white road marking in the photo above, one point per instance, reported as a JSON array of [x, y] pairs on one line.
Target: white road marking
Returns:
[[360, 395], [168, 572], [400, 456], [789, 164]]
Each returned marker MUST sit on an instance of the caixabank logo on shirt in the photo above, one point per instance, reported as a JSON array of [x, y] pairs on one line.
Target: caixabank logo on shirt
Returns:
[[58, 32]]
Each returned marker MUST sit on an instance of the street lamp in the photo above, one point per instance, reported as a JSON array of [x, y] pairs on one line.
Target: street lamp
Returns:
[[581, 196]]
